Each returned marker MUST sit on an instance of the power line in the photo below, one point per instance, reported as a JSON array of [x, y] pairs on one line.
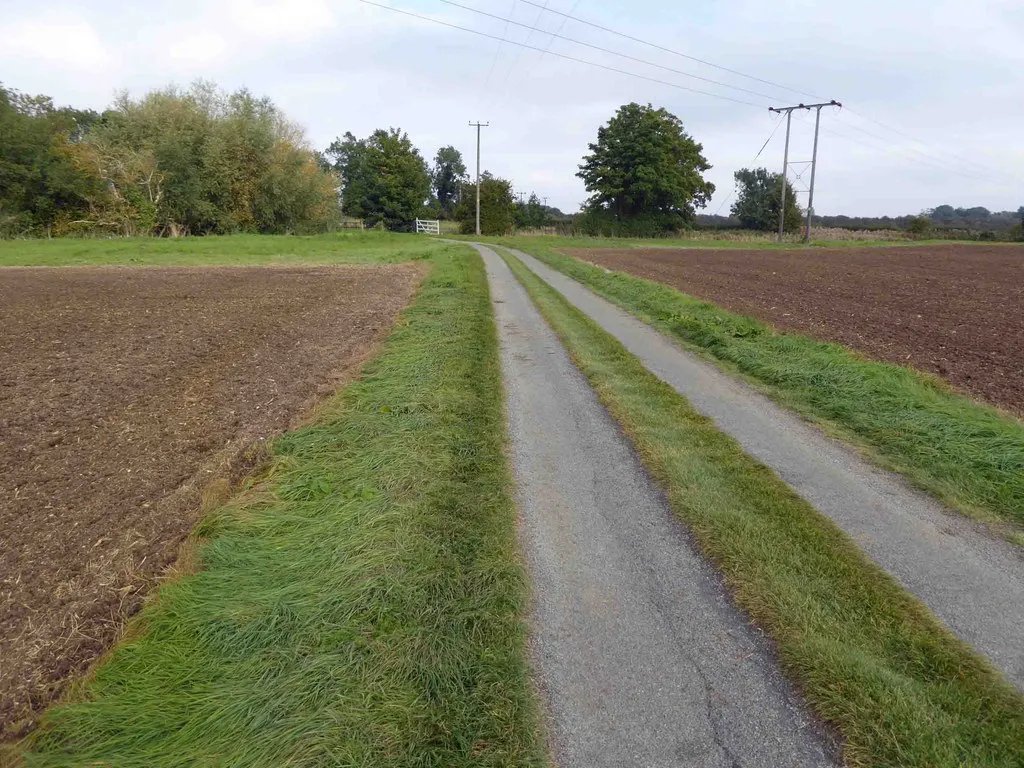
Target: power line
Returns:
[[561, 26], [925, 155], [670, 50], [963, 160], [945, 153], [558, 31], [497, 51], [606, 50], [561, 55], [529, 35], [876, 148]]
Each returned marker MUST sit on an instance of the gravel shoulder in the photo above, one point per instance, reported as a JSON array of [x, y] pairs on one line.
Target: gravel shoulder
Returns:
[[970, 580], [639, 654]]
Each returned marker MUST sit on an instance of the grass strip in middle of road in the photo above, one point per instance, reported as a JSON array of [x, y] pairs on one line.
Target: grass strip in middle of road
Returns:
[[870, 658], [366, 606], [967, 454]]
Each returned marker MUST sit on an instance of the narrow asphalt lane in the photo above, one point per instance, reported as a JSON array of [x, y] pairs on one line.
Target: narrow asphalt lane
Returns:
[[970, 579], [640, 656]]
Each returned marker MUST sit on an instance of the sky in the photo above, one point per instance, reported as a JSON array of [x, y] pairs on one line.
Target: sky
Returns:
[[932, 90]]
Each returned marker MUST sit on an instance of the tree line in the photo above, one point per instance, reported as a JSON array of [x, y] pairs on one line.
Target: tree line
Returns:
[[195, 161], [386, 182], [937, 222], [201, 161]]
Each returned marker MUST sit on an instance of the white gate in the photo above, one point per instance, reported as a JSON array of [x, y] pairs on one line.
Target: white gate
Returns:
[[428, 226]]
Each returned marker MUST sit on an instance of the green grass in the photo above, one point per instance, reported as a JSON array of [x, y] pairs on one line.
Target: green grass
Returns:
[[967, 454], [347, 247], [361, 606], [870, 658]]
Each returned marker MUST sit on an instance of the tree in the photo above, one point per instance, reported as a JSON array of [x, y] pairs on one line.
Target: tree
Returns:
[[447, 174], [944, 214], [348, 158], [203, 161], [757, 201], [496, 206], [41, 185], [531, 214], [919, 225], [1017, 231], [384, 177], [644, 166]]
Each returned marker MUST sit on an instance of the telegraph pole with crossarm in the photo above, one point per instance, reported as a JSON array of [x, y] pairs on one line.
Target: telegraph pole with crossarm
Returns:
[[814, 162], [478, 126]]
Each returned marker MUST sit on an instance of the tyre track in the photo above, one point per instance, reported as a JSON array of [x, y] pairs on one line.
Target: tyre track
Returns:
[[639, 653], [969, 579]]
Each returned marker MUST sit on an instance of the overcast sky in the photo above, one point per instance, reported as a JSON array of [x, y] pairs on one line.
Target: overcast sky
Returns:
[[945, 73]]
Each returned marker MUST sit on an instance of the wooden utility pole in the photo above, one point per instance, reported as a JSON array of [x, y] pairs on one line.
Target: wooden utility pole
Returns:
[[814, 163], [478, 126]]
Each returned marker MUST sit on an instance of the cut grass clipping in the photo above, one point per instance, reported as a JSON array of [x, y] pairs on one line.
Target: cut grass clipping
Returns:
[[869, 657], [365, 606], [969, 455]]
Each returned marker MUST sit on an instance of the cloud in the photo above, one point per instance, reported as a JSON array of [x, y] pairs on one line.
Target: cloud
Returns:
[[281, 20], [199, 49], [55, 39]]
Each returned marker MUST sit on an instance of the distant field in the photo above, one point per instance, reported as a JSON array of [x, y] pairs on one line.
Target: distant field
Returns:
[[956, 311], [351, 247], [127, 395]]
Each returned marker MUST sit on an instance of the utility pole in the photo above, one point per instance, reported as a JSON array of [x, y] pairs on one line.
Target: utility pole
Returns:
[[814, 162], [814, 167], [785, 171], [478, 126]]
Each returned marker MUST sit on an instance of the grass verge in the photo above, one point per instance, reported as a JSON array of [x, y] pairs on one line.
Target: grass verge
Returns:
[[350, 247], [869, 657], [363, 605], [967, 454]]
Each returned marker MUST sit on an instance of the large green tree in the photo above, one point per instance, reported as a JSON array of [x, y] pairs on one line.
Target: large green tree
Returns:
[[447, 174], [645, 166], [384, 177], [497, 206], [757, 200]]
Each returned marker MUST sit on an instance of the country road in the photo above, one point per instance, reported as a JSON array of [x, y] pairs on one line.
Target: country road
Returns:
[[638, 652], [971, 580]]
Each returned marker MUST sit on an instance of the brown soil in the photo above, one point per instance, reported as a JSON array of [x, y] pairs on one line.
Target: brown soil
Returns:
[[129, 397], [953, 310]]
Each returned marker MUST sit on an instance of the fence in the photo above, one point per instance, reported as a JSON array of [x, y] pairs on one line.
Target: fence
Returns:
[[428, 226]]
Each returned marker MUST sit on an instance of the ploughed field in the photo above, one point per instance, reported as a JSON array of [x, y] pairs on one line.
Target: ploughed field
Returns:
[[130, 398], [956, 311]]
